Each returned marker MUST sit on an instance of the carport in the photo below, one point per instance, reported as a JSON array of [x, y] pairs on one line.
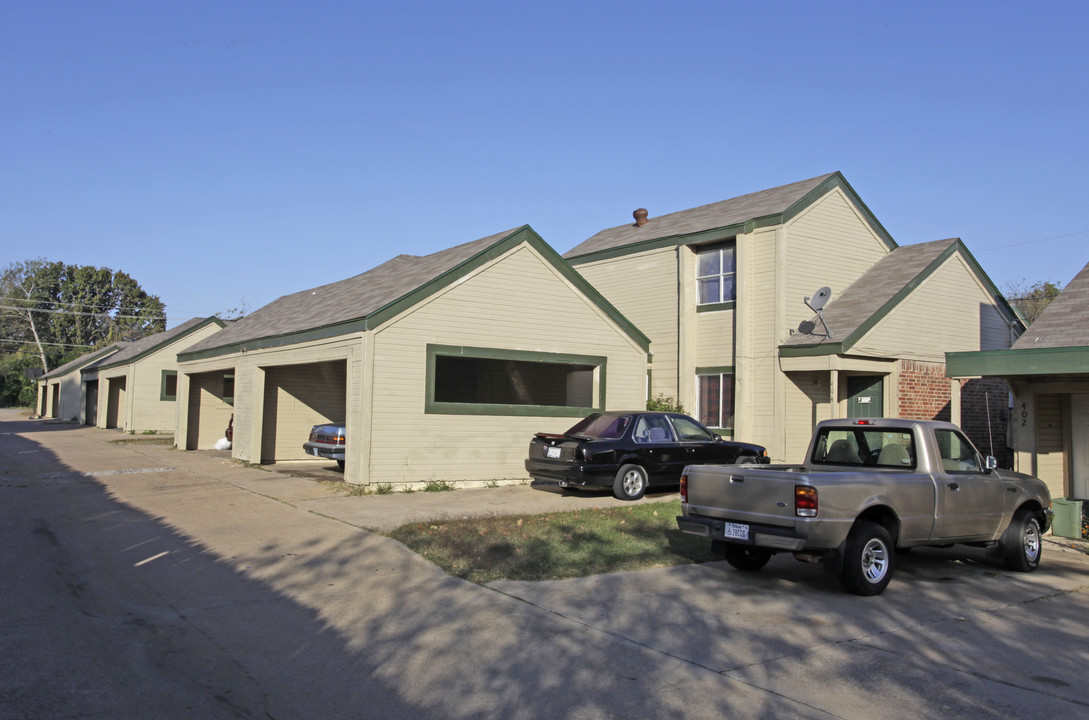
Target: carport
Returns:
[[210, 406], [297, 397]]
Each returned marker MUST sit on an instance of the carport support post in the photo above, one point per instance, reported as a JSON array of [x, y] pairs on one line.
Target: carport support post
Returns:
[[181, 412], [257, 416]]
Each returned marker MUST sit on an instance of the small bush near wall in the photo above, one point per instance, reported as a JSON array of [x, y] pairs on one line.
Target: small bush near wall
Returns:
[[665, 404]]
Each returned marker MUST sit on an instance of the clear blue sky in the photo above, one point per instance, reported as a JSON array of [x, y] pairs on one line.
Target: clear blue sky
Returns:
[[228, 152]]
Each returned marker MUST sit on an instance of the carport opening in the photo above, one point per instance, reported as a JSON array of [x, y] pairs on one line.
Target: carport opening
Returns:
[[296, 398]]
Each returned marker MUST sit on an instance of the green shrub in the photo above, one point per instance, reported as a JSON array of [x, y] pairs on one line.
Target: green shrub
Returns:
[[663, 403]]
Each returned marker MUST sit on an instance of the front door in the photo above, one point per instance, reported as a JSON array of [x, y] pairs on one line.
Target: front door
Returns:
[[866, 394], [1079, 446]]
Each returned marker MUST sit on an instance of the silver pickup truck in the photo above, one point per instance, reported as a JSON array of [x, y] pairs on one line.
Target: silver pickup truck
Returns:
[[867, 488]]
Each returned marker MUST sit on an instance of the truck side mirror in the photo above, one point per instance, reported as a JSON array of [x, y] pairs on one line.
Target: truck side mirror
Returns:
[[990, 464]]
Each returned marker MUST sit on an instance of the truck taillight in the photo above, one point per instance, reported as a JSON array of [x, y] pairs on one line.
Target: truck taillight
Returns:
[[684, 488], [805, 501]]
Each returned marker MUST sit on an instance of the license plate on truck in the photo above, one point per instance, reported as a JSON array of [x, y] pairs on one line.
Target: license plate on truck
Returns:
[[735, 531]]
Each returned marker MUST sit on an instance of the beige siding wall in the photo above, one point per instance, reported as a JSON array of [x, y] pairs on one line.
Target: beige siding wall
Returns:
[[644, 288], [948, 312], [757, 343], [827, 244], [807, 403], [66, 389], [517, 302], [715, 338], [1050, 457]]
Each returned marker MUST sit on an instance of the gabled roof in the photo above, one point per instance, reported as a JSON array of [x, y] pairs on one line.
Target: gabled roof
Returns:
[[83, 360], [719, 220], [367, 300], [1056, 345], [137, 349], [1065, 322], [879, 290]]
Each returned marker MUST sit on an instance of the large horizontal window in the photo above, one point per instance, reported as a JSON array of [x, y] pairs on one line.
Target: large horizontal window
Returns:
[[487, 381]]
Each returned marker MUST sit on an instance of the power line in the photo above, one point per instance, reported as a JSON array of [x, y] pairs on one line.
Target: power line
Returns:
[[77, 312], [72, 304], [31, 342], [1032, 242]]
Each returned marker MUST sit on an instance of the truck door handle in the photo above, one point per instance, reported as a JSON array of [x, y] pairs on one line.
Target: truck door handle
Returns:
[[954, 486], [737, 478]]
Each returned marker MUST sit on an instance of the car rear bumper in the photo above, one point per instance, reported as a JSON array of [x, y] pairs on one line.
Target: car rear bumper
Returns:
[[767, 536], [571, 475], [329, 452]]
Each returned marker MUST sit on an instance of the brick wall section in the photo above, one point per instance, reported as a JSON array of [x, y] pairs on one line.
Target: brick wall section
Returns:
[[975, 397], [924, 395], [923, 391]]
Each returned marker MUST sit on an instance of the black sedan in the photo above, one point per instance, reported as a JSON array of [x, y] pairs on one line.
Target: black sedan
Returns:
[[631, 451]]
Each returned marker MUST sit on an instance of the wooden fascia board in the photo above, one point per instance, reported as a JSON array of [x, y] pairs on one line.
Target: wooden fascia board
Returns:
[[1018, 363], [275, 341]]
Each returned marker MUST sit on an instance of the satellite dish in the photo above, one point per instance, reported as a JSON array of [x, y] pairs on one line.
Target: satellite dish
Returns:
[[817, 303], [819, 299]]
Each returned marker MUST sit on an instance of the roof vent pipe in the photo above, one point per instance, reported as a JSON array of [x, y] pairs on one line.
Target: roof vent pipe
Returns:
[[640, 216]]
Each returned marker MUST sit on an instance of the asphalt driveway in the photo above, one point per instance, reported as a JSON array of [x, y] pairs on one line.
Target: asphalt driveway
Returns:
[[143, 581]]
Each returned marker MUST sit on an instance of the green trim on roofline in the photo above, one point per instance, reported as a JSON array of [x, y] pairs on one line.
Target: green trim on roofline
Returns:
[[827, 348], [384, 314], [357, 325], [727, 231], [1015, 363], [432, 407], [159, 345]]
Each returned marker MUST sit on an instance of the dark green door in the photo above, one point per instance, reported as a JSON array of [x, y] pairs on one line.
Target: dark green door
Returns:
[[865, 396]]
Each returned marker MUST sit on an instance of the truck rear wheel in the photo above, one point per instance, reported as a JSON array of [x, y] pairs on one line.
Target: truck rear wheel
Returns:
[[867, 559], [744, 557]]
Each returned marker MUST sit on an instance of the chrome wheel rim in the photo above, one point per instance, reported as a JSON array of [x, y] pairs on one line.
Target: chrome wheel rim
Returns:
[[875, 560], [1032, 542], [633, 482]]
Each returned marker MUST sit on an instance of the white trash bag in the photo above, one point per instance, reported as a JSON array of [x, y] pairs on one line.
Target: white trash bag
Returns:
[[223, 444]]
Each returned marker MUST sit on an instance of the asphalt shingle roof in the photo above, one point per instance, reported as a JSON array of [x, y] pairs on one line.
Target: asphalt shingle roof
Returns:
[[82, 360], [136, 347], [706, 217], [865, 297], [345, 300], [1065, 322]]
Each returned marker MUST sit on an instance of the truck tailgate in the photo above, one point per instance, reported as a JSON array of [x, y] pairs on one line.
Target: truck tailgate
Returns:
[[741, 493]]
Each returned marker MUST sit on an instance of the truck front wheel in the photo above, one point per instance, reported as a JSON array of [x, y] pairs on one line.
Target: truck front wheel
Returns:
[[867, 559], [1021, 543]]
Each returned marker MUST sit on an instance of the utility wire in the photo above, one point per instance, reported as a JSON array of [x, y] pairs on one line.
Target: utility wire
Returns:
[[1032, 242], [31, 342], [62, 302], [77, 312]]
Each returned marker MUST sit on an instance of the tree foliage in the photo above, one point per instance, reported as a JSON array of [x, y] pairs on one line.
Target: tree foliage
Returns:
[[1031, 300], [52, 312]]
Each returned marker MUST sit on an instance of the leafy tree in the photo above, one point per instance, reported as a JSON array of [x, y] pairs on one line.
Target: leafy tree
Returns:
[[52, 312], [1031, 300]]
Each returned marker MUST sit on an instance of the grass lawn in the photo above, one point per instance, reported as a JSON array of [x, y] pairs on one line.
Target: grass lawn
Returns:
[[557, 545]]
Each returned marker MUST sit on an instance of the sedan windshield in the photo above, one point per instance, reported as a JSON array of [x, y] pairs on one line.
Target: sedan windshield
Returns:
[[601, 427]]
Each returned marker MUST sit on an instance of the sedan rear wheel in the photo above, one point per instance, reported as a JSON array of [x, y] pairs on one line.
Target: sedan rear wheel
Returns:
[[630, 483]]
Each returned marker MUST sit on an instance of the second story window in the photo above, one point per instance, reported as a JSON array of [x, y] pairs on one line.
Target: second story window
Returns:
[[715, 272]]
